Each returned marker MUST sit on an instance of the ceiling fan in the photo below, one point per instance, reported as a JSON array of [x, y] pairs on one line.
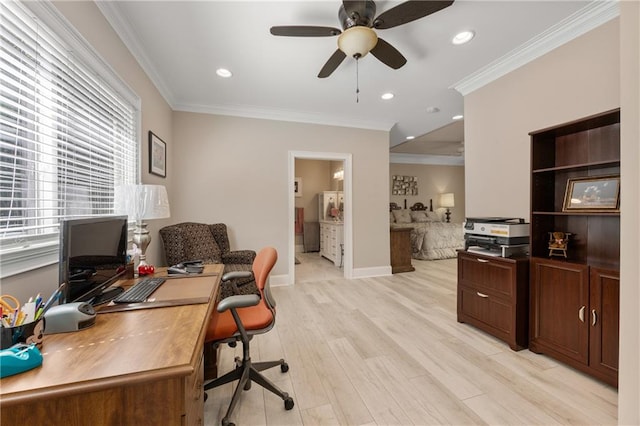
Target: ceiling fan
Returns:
[[358, 37]]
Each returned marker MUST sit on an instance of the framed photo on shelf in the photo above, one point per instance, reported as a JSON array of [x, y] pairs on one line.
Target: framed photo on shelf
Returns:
[[592, 194], [157, 155]]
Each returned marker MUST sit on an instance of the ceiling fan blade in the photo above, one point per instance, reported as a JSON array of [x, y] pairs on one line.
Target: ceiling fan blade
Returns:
[[388, 54], [409, 11], [304, 31], [331, 65]]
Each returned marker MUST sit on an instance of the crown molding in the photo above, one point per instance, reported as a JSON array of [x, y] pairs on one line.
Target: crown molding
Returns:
[[433, 160], [121, 26], [249, 111], [586, 19]]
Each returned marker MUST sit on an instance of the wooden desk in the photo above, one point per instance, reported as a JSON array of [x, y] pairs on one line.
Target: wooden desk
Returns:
[[134, 367]]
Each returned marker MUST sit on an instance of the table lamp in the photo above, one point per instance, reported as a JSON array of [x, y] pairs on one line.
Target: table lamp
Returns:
[[140, 203], [446, 200]]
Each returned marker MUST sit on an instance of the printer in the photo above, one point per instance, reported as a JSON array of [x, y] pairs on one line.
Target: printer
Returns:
[[496, 236]]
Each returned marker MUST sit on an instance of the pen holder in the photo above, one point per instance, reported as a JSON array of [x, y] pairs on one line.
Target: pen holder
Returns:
[[26, 333]]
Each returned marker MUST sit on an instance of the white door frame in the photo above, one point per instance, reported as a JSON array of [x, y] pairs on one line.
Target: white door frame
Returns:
[[346, 158]]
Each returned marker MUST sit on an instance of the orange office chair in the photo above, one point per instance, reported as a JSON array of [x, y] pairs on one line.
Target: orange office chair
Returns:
[[240, 317]]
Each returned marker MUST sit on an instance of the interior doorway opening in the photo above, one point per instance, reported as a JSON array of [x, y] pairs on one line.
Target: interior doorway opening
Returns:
[[320, 215]]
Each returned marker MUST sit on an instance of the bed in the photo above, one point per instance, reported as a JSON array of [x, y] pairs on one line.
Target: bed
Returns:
[[431, 237]]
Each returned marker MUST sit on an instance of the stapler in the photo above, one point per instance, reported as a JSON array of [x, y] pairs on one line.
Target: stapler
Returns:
[[19, 358]]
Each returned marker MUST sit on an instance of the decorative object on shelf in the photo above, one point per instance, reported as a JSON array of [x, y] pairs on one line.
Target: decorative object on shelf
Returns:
[[140, 203], [592, 194], [447, 201], [404, 185], [339, 175], [558, 243], [157, 155], [297, 186]]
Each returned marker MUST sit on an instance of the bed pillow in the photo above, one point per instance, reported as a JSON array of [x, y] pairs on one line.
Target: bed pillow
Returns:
[[402, 216], [419, 216], [434, 217]]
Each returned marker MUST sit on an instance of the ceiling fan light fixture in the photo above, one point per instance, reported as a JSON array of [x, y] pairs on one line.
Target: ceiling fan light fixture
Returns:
[[357, 41]]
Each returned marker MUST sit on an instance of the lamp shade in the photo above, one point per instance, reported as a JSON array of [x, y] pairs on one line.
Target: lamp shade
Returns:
[[141, 202], [357, 41], [446, 200]]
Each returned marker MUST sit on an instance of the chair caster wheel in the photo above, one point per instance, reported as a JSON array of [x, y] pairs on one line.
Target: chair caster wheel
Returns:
[[284, 367], [227, 423], [288, 403], [247, 385]]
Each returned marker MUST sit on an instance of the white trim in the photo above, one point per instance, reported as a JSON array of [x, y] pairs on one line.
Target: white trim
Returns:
[[376, 271], [250, 111], [584, 20], [51, 16], [16, 262], [122, 27], [281, 280], [442, 160], [346, 158]]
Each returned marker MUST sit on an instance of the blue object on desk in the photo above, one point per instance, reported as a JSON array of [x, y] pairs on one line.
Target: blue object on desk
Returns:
[[19, 358]]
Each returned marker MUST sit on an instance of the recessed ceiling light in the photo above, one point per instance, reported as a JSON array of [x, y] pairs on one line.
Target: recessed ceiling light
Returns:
[[458, 117], [387, 96], [223, 72], [463, 37], [433, 109], [410, 137]]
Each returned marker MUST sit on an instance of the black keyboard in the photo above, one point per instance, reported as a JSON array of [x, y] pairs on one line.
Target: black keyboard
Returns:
[[140, 291]]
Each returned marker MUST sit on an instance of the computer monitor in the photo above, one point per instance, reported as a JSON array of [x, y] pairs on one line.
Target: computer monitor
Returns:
[[93, 255]]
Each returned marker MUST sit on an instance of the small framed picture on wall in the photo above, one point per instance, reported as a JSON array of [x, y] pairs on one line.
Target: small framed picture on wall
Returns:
[[157, 155]]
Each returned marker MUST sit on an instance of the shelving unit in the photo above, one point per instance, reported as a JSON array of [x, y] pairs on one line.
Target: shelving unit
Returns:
[[574, 301]]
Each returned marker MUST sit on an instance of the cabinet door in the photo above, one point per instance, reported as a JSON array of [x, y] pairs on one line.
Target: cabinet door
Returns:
[[559, 309], [604, 319]]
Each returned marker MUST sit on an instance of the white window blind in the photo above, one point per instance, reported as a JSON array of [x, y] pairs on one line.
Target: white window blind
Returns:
[[67, 136]]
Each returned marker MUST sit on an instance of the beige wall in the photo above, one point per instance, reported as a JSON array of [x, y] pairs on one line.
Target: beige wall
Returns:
[[432, 181], [234, 170], [316, 177], [578, 79], [629, 382], [156, 116]]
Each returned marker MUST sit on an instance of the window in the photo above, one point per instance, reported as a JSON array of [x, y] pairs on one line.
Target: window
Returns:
[[68, 133]]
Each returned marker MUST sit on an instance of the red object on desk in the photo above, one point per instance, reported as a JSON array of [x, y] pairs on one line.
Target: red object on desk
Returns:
[[146, 269]]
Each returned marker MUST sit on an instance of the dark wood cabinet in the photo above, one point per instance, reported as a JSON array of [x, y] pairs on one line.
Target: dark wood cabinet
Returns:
[[493, 295], [400, 239], [575, 301]]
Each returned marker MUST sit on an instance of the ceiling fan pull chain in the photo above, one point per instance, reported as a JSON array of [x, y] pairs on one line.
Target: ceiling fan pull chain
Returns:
[[357, 82]]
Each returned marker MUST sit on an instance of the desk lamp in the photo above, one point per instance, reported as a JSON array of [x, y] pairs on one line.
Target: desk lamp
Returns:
[[140, 203], [446, 200]]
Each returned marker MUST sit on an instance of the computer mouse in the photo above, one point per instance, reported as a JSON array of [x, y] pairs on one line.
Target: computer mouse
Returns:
[[19, 358], [69, 317]]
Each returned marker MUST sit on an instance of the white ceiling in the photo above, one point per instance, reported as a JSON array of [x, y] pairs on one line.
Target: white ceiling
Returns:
[[180, 44]]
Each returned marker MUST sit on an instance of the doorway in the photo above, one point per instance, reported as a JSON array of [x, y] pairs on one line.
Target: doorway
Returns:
[[298, 184]]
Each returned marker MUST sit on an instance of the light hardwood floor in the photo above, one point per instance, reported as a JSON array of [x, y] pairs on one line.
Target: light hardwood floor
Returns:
[[389, 351]]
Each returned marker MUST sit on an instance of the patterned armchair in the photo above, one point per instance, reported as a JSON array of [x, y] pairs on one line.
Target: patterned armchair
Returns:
[[209, 243]]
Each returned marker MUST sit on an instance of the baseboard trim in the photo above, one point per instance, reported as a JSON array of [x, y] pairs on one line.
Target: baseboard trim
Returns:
[[279, 280], [378, 271]]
